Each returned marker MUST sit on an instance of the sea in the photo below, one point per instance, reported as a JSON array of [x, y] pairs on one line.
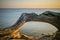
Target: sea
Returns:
[[8, 16]]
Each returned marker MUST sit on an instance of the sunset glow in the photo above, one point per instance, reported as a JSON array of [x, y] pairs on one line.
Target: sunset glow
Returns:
[[30, 4]]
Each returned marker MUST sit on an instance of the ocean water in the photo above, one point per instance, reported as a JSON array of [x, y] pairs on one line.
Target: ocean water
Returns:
[[8, 16]]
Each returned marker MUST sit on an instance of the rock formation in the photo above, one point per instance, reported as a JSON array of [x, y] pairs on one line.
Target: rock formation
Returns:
[[48, 16]]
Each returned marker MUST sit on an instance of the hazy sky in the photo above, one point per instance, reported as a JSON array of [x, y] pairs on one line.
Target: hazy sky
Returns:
[[29, 3]]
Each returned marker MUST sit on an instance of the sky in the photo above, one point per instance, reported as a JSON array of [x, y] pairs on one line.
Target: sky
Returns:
[[29, 3]]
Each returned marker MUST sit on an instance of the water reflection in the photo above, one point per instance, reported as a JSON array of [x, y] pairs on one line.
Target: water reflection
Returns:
[[36, 29]]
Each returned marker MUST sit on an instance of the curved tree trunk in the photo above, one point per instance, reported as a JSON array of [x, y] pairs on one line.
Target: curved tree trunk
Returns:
[[14, 28], [49, 17]]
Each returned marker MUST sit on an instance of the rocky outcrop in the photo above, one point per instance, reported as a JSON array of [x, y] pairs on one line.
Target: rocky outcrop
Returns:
[[48, 16]]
